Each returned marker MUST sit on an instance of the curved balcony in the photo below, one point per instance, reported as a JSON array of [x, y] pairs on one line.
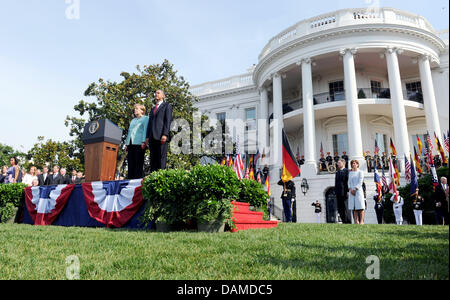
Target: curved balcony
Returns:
[[346, 18]]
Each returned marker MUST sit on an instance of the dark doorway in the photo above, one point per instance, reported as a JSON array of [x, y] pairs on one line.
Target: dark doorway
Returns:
[[331, 206]]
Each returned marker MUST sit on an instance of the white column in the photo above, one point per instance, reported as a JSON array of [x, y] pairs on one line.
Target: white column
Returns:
[[310, 166], [398, 108], [429, 98], [278, 124], [263, 123], [353, 118]]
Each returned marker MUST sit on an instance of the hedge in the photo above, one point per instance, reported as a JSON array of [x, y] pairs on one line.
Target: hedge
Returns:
[[11, 197], [203, 194]]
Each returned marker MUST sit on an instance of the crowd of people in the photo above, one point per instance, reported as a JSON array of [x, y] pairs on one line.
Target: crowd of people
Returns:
[[37, 177]]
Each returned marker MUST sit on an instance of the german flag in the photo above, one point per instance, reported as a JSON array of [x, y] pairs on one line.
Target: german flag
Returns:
[[290, 167], [268, 186], [417, 160], [393, 150], [224, 162], [420, 145], [440, 149], [397, 178]]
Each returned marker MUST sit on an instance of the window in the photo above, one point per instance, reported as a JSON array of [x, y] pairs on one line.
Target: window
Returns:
[[414, 91], [250, 118], [382, 143], [340, 143], [337, 91], [221, 117], [375, 87]]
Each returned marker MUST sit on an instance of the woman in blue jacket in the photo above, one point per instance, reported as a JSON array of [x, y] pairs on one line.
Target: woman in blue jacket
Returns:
[[135, 143]]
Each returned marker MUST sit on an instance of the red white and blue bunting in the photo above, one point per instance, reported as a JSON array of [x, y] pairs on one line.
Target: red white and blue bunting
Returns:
[[45, 203], [113, 203]]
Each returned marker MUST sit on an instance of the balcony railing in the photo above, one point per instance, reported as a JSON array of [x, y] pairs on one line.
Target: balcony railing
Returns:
[[343, 18], [374, 93]]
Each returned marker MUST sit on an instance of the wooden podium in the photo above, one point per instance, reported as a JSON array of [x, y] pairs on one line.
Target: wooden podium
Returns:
[[101, 146]]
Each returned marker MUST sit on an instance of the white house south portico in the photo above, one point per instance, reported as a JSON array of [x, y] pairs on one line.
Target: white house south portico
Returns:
[[341, 80]]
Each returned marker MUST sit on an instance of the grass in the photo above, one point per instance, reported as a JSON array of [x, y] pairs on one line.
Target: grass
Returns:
[[291, 251]]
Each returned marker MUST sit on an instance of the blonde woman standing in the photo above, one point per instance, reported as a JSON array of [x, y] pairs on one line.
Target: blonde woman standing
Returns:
[[356, 201], [136, 143]]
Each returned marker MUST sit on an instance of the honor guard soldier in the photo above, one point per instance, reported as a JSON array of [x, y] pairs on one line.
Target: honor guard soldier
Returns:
[[369, 161], [377, 160], [418, 207], [384, 161], [302, 161], [336, 158], [323, 163], [379, 208], [317, 211], [345, 157], [288, 196], [329, 159], [437, 161]]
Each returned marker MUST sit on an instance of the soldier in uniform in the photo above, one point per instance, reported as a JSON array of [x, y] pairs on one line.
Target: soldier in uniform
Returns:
[[317, 211], [302, 161], [329, 159], [379, 208], [385, 161], [345, 157], [418, 207], [369, 161], [288, 196], [336, 158], [437, 161], [323, 164], [377, 160], [398, 208]]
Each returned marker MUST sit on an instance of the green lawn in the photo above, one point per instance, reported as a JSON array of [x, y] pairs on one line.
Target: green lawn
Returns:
[[294, 251]]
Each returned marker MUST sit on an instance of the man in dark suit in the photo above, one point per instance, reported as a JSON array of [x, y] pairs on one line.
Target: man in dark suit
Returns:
[[441, 202], [65, 177], [158, 132], [56, 178], [341, 190], [44, 178]]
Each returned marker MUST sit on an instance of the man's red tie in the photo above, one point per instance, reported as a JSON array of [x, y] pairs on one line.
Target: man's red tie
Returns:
[[156, 108]]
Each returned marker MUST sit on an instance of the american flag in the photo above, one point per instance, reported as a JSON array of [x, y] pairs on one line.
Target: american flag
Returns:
[[321, 149], [377, 149], [384, 181], [238, 165], [446, 142], [430, 144], [407, 170]]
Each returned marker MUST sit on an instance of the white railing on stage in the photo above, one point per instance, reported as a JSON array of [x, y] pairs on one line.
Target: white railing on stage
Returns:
[[239, 81], [346, 17]]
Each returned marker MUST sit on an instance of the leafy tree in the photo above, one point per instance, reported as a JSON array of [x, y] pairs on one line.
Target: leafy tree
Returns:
[[6, 152], [115, 101], [52, 153]]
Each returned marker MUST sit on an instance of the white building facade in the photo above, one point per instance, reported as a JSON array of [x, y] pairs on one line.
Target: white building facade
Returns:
[[341, 80]]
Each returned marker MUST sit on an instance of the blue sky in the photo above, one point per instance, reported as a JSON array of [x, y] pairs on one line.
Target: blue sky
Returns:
[[47, 60]]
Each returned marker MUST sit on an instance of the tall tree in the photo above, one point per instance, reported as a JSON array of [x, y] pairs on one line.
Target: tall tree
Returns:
[[115, 101]]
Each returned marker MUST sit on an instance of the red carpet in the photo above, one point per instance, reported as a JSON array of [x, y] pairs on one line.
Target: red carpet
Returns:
[[244, 219]]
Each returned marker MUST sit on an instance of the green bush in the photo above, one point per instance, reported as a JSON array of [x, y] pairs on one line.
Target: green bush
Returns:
[[212, 189], [11, 196], [203, 194], [167, 196], [253, 193]]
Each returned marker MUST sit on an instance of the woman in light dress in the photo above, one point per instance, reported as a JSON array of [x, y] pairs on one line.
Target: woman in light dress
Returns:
[[30, 177], [356, 201]]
